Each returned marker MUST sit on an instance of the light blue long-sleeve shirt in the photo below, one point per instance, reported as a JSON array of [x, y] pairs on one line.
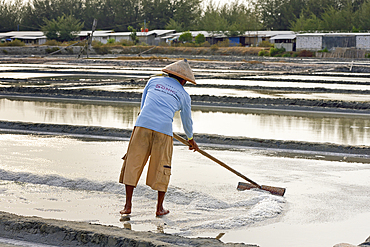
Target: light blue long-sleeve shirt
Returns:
[[162, 97]]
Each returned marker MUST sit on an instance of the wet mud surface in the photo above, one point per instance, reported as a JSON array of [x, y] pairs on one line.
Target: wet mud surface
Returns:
[[67, 233]]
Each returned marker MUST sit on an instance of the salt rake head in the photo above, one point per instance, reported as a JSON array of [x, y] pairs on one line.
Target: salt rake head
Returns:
[[273, 190]]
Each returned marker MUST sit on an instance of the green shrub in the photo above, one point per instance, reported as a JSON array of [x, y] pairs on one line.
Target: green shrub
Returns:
[[263, 53], [206, 44], [52, 42], [274, 52], [265, 44], [111, 41], [214, 47], [287, 55], [225, 43], [126, 42], [15, 42], [199, 39], [324, 50], [186, 37], [188, 44], [281, 50], [367, 55]]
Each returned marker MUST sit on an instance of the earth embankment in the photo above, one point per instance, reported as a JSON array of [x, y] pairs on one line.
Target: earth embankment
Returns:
[[71, 233]]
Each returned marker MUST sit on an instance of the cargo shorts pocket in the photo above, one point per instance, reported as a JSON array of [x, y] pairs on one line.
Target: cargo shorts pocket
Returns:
[[122, 174], [163, 176]]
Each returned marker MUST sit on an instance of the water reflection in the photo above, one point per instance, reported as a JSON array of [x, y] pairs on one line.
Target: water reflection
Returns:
[[309, 128], [316, 78], [269, 82]]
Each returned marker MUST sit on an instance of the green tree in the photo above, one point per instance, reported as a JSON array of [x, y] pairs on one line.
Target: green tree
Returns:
[[212, 21], [10, 14], [187, 12], [64, 28], [240, 18], [127, 12], [51, 29], [133, 35], [362, 16], [199, 39], [35, 11], [270, 12], [307, 24], [186, 37], [174, 25], [337, 20], [158, 12]]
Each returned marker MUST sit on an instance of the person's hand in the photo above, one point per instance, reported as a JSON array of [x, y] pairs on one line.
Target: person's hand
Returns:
[[194, 145]]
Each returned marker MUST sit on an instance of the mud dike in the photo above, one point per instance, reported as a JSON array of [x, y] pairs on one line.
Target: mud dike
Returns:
[[67, 233]]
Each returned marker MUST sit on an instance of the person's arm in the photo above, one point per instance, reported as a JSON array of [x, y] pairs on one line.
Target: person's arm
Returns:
[[187, 124], [144, 95], [194, 145]]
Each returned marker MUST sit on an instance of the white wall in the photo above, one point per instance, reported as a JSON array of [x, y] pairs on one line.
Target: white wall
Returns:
[[287, 46], [363, 41], [310, 42], [103, 39], [119, 38], [41, 41]]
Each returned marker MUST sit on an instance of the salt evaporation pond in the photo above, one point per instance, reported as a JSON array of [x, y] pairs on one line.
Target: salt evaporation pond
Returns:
[[347, 130], [63, 178], [76, 180], [271, 83], [225, 92], [313, 77]]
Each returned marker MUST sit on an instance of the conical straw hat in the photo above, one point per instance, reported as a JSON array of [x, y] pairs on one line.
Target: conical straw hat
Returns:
[[181, 69]]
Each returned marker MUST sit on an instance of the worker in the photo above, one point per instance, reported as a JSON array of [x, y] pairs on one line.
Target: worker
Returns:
[[152, 134]]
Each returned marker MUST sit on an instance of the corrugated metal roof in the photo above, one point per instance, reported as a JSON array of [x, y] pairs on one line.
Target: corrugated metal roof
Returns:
[[23, 33], [171, 36], [28, 37], [96, 33], [284, 36], [333, 34], [120, 34], [159, 32], [266, 33]]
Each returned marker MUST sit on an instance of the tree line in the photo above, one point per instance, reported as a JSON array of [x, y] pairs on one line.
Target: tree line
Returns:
[[232, 18]]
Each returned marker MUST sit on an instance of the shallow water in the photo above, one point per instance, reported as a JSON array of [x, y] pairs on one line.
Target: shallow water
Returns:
[[272, 83], [76, 180], [50, 70], [225, 92], [56, 177], [321, 78], [307, 127]]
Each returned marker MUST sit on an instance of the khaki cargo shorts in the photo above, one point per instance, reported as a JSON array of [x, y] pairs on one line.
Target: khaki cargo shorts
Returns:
[[144, 143]]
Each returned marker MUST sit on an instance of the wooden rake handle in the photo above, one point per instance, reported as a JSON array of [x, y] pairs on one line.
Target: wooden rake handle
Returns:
[[185, 142]]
